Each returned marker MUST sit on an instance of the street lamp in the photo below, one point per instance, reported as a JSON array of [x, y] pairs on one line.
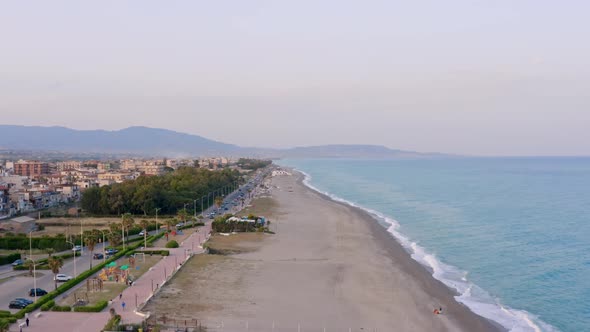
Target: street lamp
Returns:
[[73, 246], [34, 265]]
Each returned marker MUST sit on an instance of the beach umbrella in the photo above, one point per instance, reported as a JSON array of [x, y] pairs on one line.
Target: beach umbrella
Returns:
[[112, 264], [124, 267]]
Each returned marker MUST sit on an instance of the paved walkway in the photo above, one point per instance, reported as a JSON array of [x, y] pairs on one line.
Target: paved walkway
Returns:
[[134, 297]]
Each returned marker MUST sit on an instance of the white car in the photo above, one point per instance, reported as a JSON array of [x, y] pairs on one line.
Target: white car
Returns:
[[63, 278], [76, 248], [142, 233]]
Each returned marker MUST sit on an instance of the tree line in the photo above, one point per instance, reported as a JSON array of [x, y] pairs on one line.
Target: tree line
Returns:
[[168, 192]]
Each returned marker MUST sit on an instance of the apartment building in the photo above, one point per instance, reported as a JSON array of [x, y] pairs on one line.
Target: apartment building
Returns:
[[32, 169]]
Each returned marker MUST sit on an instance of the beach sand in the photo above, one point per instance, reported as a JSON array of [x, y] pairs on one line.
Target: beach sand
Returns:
[[328, 266]]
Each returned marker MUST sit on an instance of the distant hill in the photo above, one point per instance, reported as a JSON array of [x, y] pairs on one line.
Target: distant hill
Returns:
[[136, 140], [162, 142]]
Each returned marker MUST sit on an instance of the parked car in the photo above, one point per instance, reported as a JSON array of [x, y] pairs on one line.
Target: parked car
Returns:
[[142, 233], [179, 224], [63, 278], [39, 291], [76, 248], [111, 251], [16, 304], [18, 262], [98, 256]]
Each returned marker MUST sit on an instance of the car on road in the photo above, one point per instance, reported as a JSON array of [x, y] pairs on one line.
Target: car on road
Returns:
[[179, 224], [111, 251], [98, 256], [142, 233], [63, 278], [39, 291], [18, 304], [18, 262], [76, 248]]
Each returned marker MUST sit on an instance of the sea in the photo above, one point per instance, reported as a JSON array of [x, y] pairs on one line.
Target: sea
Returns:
[[510, 235]]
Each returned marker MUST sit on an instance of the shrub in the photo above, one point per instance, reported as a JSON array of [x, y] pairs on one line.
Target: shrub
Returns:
[[165, 253], [98, 307], [47, 306], [172, 244], [64, 308]]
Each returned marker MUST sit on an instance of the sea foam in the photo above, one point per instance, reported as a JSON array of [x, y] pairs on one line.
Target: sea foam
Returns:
[[474, 297]]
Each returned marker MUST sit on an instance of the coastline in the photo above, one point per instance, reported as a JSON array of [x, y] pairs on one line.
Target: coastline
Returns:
[[463, 316], [329, 265]]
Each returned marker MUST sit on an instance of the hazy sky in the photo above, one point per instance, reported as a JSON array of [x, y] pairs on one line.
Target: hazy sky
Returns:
[[472, 77]]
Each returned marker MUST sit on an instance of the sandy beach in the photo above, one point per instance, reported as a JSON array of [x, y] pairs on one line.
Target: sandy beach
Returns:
[[328, 266]]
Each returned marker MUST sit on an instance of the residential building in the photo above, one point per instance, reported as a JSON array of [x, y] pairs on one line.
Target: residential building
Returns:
[[32, 169]]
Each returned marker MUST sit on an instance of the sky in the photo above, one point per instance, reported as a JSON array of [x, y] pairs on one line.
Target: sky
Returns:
[[469, 77]]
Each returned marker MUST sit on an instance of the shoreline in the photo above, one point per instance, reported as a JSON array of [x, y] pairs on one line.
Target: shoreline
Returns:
[[328, 265], [417, 270]]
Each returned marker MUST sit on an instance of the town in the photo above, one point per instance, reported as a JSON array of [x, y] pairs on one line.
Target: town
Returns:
[[27, 186]]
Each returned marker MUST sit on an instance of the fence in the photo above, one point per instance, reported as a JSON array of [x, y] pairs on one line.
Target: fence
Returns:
[[194, 325]]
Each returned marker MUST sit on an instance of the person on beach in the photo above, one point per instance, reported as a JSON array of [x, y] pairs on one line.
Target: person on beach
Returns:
[[123, 305], [120, 295], [27, 321], [440, 311]]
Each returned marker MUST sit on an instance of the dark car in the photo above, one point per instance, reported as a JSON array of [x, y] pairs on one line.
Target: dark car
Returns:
[[18, 262], [17, 304], [98, 256], [22, 299], [40, 292]]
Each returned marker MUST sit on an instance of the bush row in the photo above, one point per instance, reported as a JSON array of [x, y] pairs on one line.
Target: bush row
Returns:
[[98, 307], [62, 308], [47, 306], [154, 252]]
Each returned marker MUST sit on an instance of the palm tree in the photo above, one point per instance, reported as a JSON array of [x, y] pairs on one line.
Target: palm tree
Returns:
[[55, 263], [182, 215], [126, 222], [91, 238], [218, 201], [144, 225], [49, 251]]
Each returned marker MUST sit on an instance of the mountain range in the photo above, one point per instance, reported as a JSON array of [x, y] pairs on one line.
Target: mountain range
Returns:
[[144, 141]]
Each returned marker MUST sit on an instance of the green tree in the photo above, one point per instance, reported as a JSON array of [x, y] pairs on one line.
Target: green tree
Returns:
[[55, 263]]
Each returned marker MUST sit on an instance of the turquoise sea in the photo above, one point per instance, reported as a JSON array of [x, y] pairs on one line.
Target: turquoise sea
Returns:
[[511, 235]]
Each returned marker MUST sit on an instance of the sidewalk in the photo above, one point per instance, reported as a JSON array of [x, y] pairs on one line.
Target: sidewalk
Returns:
[[134, 297]]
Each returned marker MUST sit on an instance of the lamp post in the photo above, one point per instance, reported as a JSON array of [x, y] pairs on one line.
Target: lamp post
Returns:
[[73, 246], [34, 265], [157, 228]]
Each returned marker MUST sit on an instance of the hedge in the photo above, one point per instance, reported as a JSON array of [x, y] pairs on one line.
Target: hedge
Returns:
[[21, 242], [9, 259], [64, 308], [154, 252], [4, 313], [98, 307], [47, 306]]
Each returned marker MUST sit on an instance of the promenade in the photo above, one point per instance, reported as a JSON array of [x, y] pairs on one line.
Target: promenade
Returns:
[[134, 296]]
